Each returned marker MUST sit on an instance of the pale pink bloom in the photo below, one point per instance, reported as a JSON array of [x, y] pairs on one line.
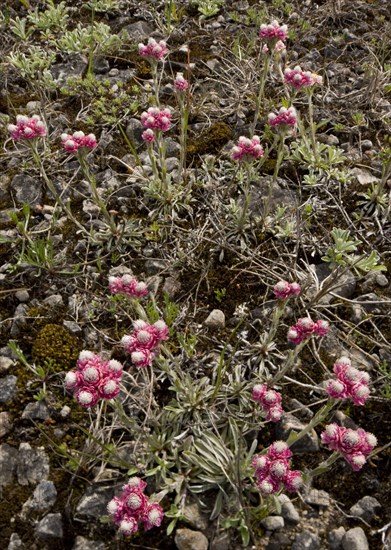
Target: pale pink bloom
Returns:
[[321, 327], [128, 526], [27, 128], [273, 32], [134, 484], [154, 51], [156, 119], [294, 337], [293, 481], [180, 83], [331, 436], [356, 460], [274, 414], [114, 369], [258, 391], [161, 330], [142, 358], [270, 398], [298, 78], [86, 397], [284, 290], [108, 389], [280, 47], [279, 469], [261, 464], [247, 149], [136, 502], [285, 119], [336, 389], [72, 379], [116, 509], [148, 135], [153, 516], [367, 441], [78, 140], [128, 286], [268, 485], [279, 449]]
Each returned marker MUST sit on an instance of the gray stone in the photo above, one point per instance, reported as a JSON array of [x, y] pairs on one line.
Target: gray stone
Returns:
[[43, 498], [4, 188], [37, 410], [75, 66], [335, 538], [215, 320], [94, 503], [49, 528], [364, 177], [194, 517], [27, 190], [19, 319], [171, 164], [139, 30], [288, 510], [374, 279], [328, 139], [5, 364], [73, 327], [15, 543], [134, 130], [289, 423], [366, 508], [366, 144], [153, 267], [355, 539], [8, 388], [33, 107], [343, 420], [273, 523], [371, 303], [5, 423], [84, 544], [221, 542], [317, 497], [279, 541], [100, 64], [306, 541], [172, 287], [33, 464], [186, 539], [8, 461], [54, 300], [22, 296], [279, 195]]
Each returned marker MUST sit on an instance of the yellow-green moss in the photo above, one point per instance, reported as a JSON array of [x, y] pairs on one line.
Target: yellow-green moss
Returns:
[[211, 140], [55, 344]]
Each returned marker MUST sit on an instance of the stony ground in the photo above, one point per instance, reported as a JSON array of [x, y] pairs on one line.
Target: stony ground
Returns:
[[55, 482]]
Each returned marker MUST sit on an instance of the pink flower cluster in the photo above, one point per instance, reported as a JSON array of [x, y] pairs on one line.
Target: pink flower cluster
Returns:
[[247, 149], [180, 83], [270, 401], [305, 328], [354, 445], [273, 32], [144, 342], [278, 48], [27, 128], [128, 286], [153, 50], [133, 507], [351, 383], [156, 119], [285, 119], [78, 140], [301, 79], [94, 379], [273, 470], [284, 290]]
